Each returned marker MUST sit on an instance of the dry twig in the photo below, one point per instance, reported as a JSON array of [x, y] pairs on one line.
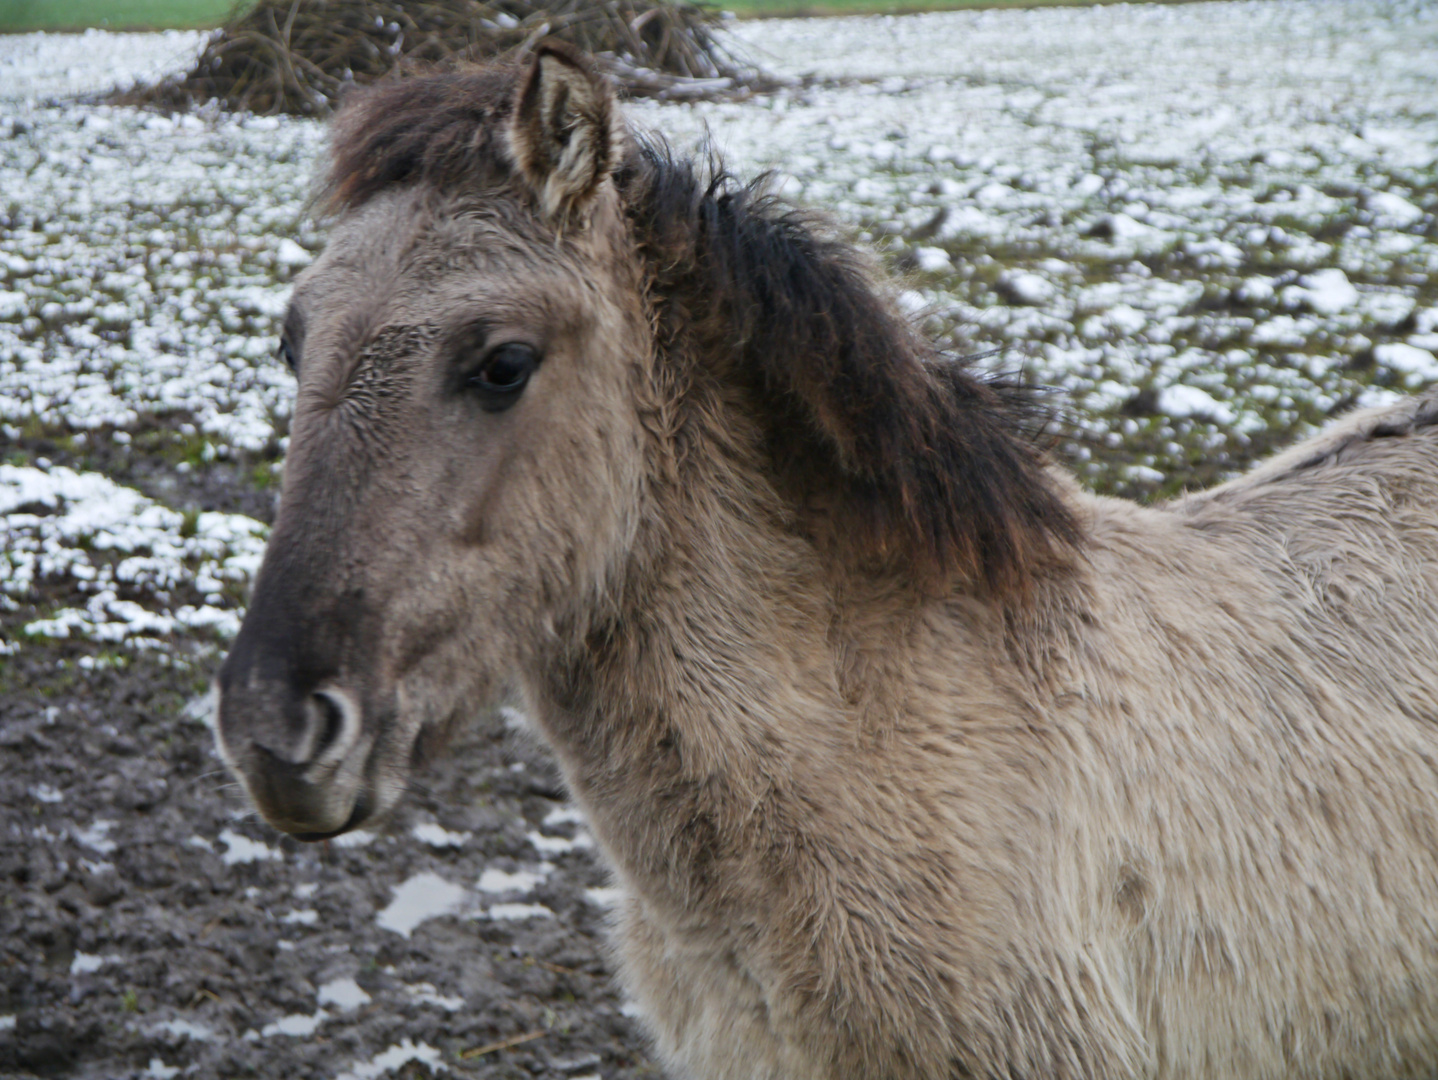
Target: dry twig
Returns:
[[503, 1044]]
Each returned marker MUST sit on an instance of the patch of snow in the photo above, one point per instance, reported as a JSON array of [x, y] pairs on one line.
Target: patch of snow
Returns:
[[396, 1057], [428, 832], [517, 912], [296, 1025], [1282, 330], [39, 66], [424, 896], [241, 849], [1255, 291], [1125, 320], [1416, 365], [1326, 292], [1182, 401], [499, 882], [158, 1070], [184, 1029], [604, 896], [345, 994], [1386, 307], [306, 917], [95, 836], [393, 1058], [426, 994], [913, 303], [291, 254], [1375, 396], [558, 845], [106, 538], [12, 304], [932, 260], [84, 963], [564, 815], [202, 709], [355, 839], [1024, 287], [1125, 231], [1393, 210], [46, 794]]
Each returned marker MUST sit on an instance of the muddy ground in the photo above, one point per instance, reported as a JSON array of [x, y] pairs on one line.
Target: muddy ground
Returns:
[[130, 947]]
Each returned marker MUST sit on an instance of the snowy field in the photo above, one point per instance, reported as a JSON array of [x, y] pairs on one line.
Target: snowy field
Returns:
[[1208, 227]]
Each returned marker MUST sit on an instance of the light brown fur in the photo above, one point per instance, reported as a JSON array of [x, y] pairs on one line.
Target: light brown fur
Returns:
[[1168, 808]]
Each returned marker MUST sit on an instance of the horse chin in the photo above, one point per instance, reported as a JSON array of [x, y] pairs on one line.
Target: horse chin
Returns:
[[313, 812], [358, 816], [305, 805]]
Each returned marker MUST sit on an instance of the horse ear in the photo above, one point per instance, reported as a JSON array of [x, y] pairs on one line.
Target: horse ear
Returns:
[[562, 134]]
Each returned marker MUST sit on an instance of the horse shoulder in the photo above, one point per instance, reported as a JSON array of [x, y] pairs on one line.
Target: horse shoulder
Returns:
[[1257, 708]]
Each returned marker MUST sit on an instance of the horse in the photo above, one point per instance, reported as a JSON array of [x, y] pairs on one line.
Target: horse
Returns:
[[911, 758]]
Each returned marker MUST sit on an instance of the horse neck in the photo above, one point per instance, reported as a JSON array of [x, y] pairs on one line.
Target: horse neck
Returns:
[[734, 687], [684, 702]]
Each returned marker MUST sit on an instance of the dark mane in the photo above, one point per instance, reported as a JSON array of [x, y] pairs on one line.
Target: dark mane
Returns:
[[923, 462], [918, 461]]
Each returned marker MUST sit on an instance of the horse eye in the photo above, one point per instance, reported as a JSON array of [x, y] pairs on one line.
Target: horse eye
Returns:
[[502, 375], [286, 352]]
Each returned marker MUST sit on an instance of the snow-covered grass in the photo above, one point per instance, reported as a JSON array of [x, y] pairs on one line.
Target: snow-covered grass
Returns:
[[1202, 223], [1208, 226], [144, 257], [134, 560]]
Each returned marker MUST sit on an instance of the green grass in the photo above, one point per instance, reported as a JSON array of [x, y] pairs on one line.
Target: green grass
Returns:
[[21, 15]]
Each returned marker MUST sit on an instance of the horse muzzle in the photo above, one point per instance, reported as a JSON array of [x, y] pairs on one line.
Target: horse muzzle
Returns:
[[303, 757]]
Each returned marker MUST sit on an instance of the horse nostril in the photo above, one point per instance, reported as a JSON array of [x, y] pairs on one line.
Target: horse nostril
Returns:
[[324, 720], [330, 723]]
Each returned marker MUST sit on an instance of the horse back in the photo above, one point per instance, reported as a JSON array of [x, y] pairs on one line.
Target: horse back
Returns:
[[1266, 685], [1344, 528]]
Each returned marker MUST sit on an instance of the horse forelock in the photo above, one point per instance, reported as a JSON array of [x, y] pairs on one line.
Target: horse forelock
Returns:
[[445, 130]]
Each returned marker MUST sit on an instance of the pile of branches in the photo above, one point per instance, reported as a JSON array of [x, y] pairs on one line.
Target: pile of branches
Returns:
[[299, 56]]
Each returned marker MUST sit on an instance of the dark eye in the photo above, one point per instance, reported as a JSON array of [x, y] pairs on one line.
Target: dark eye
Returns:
[[502, 374], [286, 352]]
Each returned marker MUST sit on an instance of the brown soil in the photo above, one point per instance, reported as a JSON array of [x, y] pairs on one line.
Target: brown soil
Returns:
[[185, 937]]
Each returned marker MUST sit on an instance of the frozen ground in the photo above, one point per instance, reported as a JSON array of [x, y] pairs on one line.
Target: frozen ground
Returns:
[[1208, 226]]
